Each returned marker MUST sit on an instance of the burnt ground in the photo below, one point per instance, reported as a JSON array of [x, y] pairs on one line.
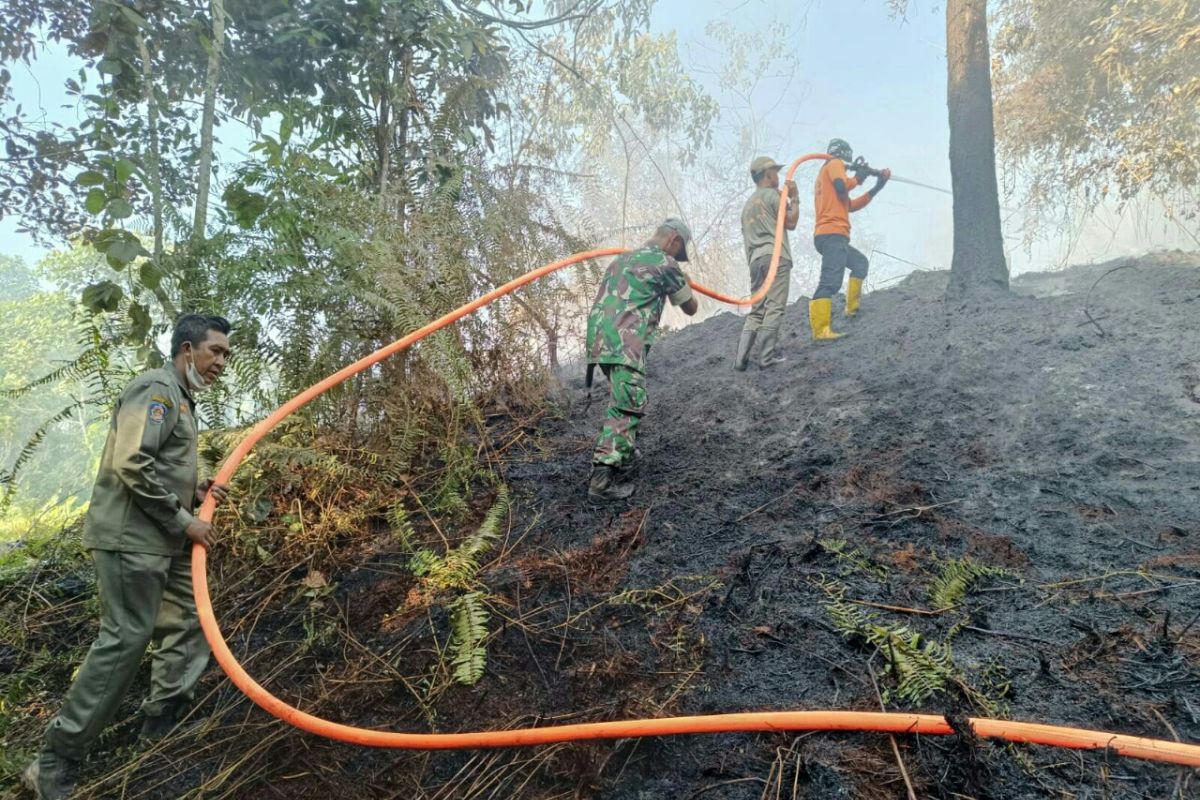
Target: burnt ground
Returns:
[[1009, 430]]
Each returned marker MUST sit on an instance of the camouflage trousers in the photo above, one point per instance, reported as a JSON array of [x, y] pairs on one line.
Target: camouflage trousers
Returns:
[[614, 445]]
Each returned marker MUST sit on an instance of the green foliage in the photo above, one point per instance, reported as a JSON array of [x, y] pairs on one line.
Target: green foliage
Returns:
[[51, 518], [852, 558], [918, 667], [456, 572], [468, 625], [53, 380], [458, 567], [956, 577]]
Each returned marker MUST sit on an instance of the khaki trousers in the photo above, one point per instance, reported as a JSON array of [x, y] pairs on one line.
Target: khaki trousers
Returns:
[[144, 598]]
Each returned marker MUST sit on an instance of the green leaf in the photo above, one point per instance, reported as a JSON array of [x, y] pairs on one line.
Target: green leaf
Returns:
[[90, 178], [106, 237], [140, 322], [150, 275], [124, 168], [125, 251], [245, 205], [109, 66], [96, 198], [102, 296], [119, 208]]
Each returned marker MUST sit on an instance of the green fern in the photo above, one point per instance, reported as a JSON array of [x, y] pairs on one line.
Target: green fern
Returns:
[[401, 525], [458, 570], [919, 667], [852, 558], [468, 625], [956, 578], [8, 478]]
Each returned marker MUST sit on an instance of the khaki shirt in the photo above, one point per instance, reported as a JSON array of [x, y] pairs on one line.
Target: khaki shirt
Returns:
[[145, 490], [758, 226]]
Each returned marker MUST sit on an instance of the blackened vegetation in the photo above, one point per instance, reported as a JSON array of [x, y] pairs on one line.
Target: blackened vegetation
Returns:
[[996, 485]]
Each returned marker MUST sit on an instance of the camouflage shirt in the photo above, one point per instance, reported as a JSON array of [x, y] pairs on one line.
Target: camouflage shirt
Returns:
[[625, 314]]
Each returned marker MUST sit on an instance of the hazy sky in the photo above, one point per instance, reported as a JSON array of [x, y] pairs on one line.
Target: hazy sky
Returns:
[[863, 76]]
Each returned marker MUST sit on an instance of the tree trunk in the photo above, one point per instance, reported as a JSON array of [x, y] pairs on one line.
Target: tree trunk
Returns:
[[192, 282], [207, 120], [155, 173], [978, 261]]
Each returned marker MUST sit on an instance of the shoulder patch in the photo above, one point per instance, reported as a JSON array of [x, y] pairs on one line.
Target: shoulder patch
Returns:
[[158, 412], [158, 398]]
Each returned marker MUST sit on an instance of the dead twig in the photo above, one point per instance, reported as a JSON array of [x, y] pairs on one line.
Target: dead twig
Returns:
[[767, 504], [706, 789], [1088, 300], [908, 785], [920, 510], [1140, 592], [1011, 635], [924, 612]]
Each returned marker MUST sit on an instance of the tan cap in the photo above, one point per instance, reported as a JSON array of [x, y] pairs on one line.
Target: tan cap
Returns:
[[685, 233], [763, 163]]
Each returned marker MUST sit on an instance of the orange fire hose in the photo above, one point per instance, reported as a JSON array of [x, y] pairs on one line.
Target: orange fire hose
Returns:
[[1077, 738]]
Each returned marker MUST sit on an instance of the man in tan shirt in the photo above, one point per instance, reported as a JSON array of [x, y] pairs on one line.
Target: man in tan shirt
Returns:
[[759, 216]]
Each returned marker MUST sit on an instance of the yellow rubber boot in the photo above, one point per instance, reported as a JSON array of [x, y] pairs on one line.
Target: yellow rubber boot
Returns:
[[820, 312], [853, 293]]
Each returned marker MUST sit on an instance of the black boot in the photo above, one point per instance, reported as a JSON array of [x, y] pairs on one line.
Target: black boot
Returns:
[[767, 355], [608, 484], [156, 727], [743, 351], [51, 776]]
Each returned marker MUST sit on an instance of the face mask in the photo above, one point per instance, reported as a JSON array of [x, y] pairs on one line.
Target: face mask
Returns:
[[195, 379]]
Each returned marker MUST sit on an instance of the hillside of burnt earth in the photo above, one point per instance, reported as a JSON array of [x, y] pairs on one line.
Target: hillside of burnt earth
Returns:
[[989, 508], [1012, 431]]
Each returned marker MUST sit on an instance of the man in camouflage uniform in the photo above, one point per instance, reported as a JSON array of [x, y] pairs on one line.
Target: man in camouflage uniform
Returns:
[[621, 327], [758, 232], [140, 527]]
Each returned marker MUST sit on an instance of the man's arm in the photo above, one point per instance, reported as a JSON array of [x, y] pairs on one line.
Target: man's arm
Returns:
[[142, 424], [842, 183], [863, 200], [793, 210], [675, 283]]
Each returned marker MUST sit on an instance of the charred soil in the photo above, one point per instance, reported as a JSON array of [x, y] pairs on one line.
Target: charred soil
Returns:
[[1007, 486]]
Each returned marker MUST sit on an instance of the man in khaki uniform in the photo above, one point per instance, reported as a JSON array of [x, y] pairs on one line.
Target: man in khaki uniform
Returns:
[[140, 527], [758, 231]]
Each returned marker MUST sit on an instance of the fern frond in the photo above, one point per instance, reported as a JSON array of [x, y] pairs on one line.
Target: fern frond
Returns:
[[957, 577], [401, 525], [852, 558], [468, 622], [480, 542], [919, 667], [8, 478]]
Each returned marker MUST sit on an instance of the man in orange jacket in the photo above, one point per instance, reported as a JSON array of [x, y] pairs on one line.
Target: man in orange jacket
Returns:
[[831, 237]]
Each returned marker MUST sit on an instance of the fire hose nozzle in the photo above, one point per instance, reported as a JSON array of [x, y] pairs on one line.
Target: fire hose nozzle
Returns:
[[860, 167]]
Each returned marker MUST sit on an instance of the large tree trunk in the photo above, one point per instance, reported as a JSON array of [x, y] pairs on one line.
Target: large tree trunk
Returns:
[[208, 119], [978, 261], [193, 283], [155, 173]]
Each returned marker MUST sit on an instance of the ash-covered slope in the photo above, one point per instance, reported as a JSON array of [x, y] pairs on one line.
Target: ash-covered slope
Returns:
[[1011, 430]]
